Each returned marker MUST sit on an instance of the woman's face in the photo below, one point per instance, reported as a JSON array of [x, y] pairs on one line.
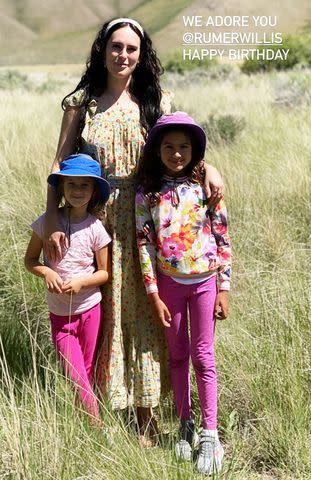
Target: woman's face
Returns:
[[122, 52]]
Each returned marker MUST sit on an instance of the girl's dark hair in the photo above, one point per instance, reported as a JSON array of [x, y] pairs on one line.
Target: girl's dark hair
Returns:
[[151, 169], [145, 85]]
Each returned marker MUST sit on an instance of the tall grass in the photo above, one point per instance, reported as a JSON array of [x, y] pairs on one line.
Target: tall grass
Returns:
[[263, 350]]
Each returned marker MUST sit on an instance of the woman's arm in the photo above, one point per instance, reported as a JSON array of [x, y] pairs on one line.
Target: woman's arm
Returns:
[[213, 183], [54, 237], [68, 135], [96, 279], [53, 281]]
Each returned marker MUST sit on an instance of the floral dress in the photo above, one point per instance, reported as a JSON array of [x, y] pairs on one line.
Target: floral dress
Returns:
[[132, 366]]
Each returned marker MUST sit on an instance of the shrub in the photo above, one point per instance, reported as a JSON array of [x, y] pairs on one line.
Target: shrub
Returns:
[[223, 129], [50, 85], [11, 79], [291, 93], [221, 71], [176, 63], [299, 52]]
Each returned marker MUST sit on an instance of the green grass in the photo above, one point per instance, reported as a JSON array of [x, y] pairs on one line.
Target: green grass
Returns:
[[263, 350]]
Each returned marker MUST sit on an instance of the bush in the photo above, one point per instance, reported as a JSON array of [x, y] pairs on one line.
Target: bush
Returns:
[[221, 71], [299, 53], [51, 85], [223, 129], [291, 92], [12, 79], [176, 63]]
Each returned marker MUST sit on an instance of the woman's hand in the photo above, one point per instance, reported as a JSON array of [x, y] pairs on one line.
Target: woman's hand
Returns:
[[54, 238], [54, 245], [160, 309], [53, 281], [213, 183], [222, 305]]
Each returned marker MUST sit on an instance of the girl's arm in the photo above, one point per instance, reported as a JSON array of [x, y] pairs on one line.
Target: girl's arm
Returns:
[[213, 183], [161, 311], [222, 305], [54, 237], [52, 279], [96, 279], [219, 226], [220, 231], [146, 242]]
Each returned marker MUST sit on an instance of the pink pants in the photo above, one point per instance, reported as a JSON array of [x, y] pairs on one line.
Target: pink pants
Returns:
[[75, 340], [200, 299]]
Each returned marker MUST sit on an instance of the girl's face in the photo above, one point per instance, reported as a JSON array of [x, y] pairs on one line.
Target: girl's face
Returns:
[[122, 52], [78, 191], [175, 152]]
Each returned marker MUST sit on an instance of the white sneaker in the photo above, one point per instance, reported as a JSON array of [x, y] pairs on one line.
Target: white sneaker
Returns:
[[183, 448], [211, 454]]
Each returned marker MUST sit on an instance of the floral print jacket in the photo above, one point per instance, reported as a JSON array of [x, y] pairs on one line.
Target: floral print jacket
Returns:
[[183, 235]]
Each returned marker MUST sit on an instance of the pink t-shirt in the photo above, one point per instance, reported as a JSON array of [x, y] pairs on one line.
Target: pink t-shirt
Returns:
[[78, 261]]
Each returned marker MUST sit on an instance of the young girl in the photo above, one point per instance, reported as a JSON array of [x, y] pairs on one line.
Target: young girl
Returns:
[[73, 282], [185, 259]]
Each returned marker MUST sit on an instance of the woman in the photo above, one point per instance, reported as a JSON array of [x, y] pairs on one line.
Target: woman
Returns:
[[116, 102]]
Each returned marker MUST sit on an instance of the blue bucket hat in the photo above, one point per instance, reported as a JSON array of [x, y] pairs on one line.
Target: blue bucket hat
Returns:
[[176, 119], [81, 165]]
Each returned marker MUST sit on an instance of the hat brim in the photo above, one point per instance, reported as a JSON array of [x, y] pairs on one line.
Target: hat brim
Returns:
[[104, 187], [157, 129]]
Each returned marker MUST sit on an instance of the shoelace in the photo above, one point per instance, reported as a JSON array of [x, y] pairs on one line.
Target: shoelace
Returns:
[[207, 442]]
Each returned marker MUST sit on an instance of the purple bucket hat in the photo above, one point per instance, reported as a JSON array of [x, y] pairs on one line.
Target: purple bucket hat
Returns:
[[176, 119]]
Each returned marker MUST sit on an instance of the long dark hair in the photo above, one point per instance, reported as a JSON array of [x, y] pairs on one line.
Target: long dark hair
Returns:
[[151, 169], [145, 84]]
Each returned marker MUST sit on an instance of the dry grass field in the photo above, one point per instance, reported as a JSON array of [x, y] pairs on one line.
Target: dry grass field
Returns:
[[263, 350]]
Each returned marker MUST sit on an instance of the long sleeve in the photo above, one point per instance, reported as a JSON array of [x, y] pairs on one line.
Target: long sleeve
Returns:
[[219, 226], [146, 242]]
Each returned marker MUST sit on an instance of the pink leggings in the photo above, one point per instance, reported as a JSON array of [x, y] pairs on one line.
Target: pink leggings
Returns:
[[200, 299], [75, 341]]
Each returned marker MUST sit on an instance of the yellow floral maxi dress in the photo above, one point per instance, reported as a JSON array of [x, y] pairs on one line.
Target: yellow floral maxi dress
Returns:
[[132, 363]]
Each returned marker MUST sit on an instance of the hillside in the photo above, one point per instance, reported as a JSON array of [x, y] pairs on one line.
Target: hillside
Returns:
[[34, 31], [40, 32], [292, 16]]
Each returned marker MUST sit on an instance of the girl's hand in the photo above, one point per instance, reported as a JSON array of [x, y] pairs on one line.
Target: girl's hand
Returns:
[[213, 183], [54, 245], [222, 305], [53, 281], [160, 309], [73, 286]]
